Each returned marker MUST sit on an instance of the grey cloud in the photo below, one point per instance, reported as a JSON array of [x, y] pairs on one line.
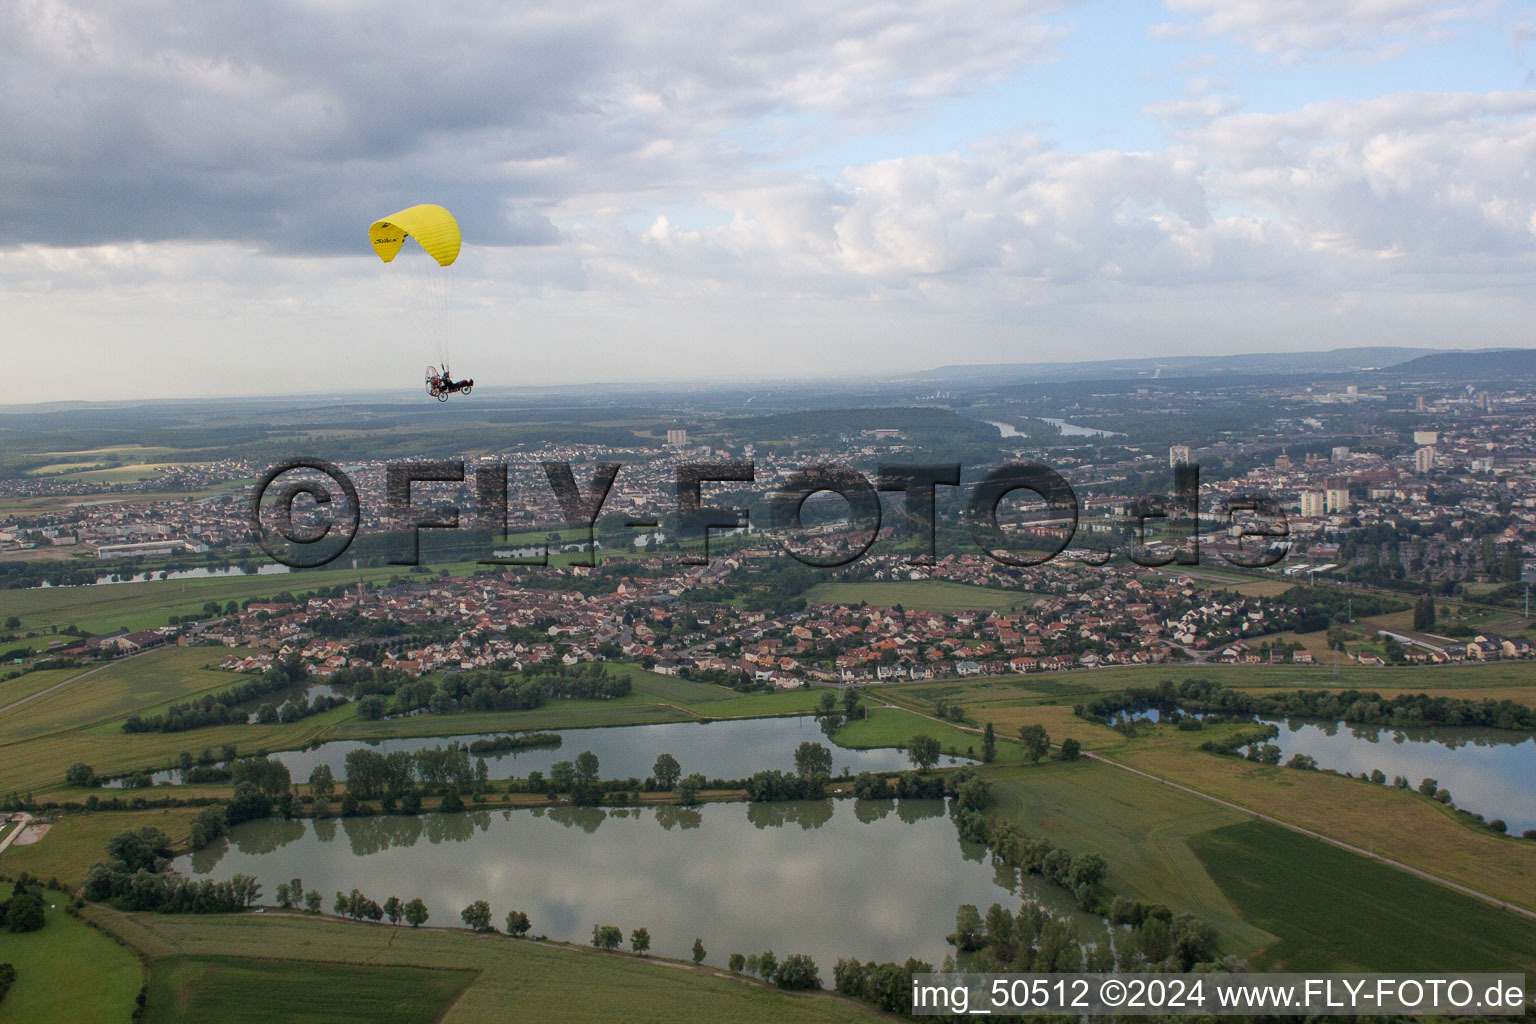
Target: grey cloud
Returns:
[[287, 125]]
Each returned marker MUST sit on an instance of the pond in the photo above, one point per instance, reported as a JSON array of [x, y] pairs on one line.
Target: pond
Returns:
[[1491, 772], [875, 879], [722, 749]]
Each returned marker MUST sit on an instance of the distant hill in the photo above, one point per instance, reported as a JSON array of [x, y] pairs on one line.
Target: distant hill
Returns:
[[1507, 362], [1333, 361]]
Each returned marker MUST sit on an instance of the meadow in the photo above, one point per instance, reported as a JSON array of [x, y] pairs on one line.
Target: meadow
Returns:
[[895, 727], [99, 984], [77, 841], [555, 983], [1338, 911]]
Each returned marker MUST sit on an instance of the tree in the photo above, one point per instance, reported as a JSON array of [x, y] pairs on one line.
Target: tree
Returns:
[[25, 911], [343, 905], [1070, 749], [322, 782], [850, 701], [477, 916], [371, 708], [1037, 742], [416, 913], [688, 790], [767, 963], [79, 774], [828, 702], [797, 973], [284, 895], [561, 776], [923, 752], [312, 901], [451, 803], [736, 964], [1428, 786], [698, 951], [1303, 762], [606, 936], [640, 940], [666, 771], [394, 909], [812, 759], [988, 745], [518, 923], [969, 931], [586, 766]]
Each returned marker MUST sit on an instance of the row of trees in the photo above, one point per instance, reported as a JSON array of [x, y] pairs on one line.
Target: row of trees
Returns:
[[796, 972], [221, 708], [1405, 710]]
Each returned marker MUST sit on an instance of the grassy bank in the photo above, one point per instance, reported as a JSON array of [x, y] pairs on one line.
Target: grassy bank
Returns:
[[513, 978]]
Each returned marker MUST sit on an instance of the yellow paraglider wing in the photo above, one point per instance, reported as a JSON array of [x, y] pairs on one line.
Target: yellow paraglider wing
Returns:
[[432, 226]]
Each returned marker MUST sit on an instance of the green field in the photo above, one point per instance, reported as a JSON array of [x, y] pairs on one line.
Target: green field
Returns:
[[82, 720], [143, 684], [1139, 827], [232, 990], [514, 979], [1337, 911], [921, 595], [77, 841], [101, 609], [66, 972], [1401, 824], [895, 727]]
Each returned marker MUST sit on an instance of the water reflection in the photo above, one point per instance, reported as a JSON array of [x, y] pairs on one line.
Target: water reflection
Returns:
[[842, 878], [724, 749]]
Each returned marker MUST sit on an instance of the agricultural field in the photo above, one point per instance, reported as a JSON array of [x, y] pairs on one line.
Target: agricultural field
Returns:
[[1139, 827], [1400, 824], [99, 984], [564, 984], [921, 595], [236, 990], [1338, 911]]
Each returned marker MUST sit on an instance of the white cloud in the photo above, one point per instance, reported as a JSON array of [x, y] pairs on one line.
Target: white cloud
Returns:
[[1297, 30]]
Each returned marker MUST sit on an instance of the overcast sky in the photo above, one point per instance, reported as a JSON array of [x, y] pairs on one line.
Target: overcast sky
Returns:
[[718, 190]]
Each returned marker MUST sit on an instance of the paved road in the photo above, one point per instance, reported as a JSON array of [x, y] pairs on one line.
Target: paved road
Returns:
[[24, 821], [1352, 848]]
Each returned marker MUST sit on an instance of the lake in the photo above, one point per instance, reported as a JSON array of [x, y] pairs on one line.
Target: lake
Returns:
[[200, 573], [874, 879], [719, 750], [1491, 772]]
